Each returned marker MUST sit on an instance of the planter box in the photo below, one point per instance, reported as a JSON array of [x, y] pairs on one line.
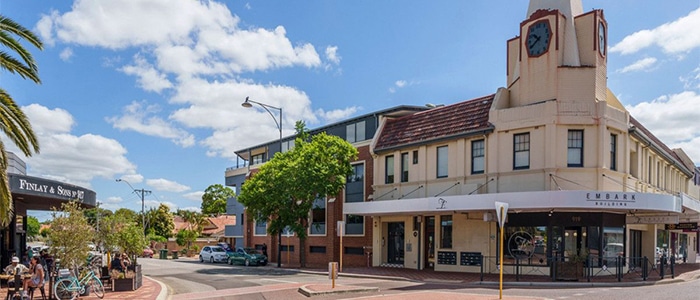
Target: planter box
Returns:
[[123, 284], [572, 271]]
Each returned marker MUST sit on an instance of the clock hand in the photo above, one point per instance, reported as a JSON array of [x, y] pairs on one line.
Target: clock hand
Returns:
[[535, 42]]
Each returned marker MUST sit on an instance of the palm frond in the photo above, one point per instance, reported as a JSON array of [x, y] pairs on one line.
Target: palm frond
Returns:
[[6, 208], [15, 124], [7, 24], [13, 66]]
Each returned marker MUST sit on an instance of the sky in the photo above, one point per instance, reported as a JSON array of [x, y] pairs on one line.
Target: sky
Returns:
[[150, 91]]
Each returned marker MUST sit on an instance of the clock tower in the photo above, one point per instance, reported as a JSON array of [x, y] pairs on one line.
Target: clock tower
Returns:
[[560, 55]]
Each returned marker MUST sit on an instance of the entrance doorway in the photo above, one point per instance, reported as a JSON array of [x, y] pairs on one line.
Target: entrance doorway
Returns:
[[429, 242], [395, 250], [635, 248], [574, 240]]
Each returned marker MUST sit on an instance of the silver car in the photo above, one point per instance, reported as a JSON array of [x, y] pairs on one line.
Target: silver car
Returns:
[[213, 254]]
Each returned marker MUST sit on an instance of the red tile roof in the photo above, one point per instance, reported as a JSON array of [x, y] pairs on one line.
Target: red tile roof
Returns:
[[458, 119]]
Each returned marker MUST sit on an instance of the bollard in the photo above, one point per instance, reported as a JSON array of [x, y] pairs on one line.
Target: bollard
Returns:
[[332, 272]]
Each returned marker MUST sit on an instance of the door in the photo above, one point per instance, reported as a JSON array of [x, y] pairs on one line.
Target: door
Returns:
[[574, 242], [635, 248], [395, 247], [429, 242]]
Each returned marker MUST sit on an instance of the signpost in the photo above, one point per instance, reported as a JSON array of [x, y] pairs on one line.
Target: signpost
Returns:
[[501, 213]]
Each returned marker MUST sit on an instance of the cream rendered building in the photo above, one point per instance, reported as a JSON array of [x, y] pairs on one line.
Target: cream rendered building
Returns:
[[580, 175]]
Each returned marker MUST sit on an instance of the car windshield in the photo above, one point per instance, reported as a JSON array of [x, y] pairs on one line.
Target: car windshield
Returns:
[[218, 249], [252, 251]]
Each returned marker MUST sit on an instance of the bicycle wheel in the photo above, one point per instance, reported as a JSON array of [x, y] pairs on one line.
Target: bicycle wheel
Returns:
[[96, 287], [62, 290]]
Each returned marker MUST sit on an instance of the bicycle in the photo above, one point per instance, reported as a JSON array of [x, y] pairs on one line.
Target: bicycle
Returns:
[[70, 287]]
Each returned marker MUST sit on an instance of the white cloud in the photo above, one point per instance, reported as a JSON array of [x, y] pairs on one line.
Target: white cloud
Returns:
[[141, 118], [692, 81], [78, 159], [149, 78], [132, 178], [400, 83], [641, 65], [192, 208], [332, 54], [675, 37], [337, 114], [194, 196], [66, 54], [671, 119], [161, 184]]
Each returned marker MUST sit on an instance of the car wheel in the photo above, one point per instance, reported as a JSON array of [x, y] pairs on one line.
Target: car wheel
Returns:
[[201, 259], [247, 262], [211, 259], [230, 261]]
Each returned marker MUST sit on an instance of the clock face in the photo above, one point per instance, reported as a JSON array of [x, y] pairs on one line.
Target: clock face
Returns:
[[601, 38], [538, 36]]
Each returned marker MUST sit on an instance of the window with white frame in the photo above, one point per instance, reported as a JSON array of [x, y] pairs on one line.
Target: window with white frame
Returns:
[[258, 159], [404, 167], [575, 148], [389, 169], [442, 162], [354, 225], [318, 217], [287, 145], [478, 157], [355, 132], [613, 152], [355, 186], [521, 151], [446, 232], [260, 227]]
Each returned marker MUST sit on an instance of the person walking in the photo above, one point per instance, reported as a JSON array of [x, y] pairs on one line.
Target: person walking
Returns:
[[264, 249]]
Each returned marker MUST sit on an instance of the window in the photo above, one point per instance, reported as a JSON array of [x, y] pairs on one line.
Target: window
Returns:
[[355, 132], [258, 159], [389, 169], [287, 248], [442, 162], [317, 249], [404, 167], [355, 186], [445, 231], [354, 225], [521, 151], [478, 157], [354, 250], [575, 148], [287, 145], [318, 217], [613, 152], [415, 157], [260, 227]]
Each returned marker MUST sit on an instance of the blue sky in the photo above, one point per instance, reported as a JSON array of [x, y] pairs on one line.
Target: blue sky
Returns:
[[150, 91]]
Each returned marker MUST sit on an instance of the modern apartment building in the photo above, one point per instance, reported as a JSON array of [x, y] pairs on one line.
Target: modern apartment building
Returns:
[[579, 173]]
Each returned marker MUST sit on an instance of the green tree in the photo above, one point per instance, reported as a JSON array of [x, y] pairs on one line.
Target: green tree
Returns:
[[186, 237], [128, 215], [285, 188], [70, 234], [33, 226], [14, 122], [214, 199], [161, 221]]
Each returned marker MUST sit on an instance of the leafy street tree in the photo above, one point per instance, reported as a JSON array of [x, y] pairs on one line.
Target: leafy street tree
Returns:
[[128, 215], [195, 220], [214, 199], [285, 189], [14, 122], [161, 221], [33, 226], [70, 234]]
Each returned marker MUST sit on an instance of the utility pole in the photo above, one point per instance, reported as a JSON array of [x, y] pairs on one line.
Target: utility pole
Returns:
[[143, 193]]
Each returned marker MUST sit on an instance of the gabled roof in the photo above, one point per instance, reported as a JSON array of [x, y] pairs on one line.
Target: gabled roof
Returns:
[[460, 119]]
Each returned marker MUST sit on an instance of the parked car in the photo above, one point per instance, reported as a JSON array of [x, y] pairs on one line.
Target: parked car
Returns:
[[213, 254], [226, 247], [147, 252], [247, 257]]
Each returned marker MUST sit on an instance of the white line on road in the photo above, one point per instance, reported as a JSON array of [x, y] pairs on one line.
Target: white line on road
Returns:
[[276, 280]]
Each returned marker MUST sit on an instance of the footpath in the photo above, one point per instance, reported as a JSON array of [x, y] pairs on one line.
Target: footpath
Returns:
[[154, 290]]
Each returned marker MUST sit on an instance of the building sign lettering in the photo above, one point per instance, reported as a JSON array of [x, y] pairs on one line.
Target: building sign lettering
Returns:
[[51, 189], [611, 199], [681, 226]]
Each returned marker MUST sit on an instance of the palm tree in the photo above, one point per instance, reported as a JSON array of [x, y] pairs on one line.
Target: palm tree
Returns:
[[13, 122]]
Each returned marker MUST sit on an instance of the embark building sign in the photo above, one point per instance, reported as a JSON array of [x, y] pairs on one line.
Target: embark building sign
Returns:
[[33, 186]]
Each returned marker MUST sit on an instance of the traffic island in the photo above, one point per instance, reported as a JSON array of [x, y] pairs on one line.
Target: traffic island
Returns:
[[311, 290]]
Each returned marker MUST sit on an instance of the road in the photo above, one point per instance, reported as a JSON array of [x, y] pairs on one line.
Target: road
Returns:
[[190, 279]]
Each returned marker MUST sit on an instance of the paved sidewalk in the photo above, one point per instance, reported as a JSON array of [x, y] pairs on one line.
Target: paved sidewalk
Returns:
[[150, 290]]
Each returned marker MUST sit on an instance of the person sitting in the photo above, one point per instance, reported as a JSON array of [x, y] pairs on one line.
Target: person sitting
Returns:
[[37, 279], [116, 263], [125, 261], [15, 268]]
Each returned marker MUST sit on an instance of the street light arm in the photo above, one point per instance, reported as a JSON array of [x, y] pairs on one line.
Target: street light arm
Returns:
[[267, 108], [122, 180]]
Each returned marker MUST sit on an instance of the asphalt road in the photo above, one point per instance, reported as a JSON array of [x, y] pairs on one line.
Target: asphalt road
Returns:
[[190, 279]]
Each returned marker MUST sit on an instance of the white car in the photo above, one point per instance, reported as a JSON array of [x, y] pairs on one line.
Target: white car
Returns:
[[213, 254]]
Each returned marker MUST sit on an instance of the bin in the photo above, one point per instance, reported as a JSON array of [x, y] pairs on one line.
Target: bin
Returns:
[[163, 253], [174, 254]]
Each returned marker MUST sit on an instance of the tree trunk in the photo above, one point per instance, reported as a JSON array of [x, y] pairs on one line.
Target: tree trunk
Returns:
[[302, 253]]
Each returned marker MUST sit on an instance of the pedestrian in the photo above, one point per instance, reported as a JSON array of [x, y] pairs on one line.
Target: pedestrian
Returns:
[[264, 249]]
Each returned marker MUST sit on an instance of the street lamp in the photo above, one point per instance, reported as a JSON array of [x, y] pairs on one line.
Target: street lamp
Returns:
[[248, 104], [143, 193]]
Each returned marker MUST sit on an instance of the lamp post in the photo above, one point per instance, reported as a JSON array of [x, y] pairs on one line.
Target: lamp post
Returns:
[[248, 104], [143, 193]]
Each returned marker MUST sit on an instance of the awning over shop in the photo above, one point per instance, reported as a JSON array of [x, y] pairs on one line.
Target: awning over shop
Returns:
[[523, 202]]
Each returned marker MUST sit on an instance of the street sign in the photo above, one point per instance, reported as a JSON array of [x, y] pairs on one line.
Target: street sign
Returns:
[[501, 206]]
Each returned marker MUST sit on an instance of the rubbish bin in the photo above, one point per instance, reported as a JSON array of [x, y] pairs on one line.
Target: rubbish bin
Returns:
[[163, 253], [174, 254]]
